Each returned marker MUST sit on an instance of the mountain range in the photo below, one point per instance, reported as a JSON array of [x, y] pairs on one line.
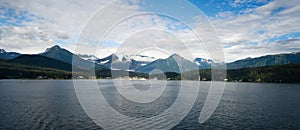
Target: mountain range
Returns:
[[64, 55], [121, 63], [174, 63], [58, 58]]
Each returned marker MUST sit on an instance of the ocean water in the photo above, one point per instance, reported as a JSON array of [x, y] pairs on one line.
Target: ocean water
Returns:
[[53, 104]]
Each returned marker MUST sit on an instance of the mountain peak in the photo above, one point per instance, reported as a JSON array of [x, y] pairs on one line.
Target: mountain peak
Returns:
[[174, 63], [8, 55], [113, 56], [2, 51], [56, 46], [175, 56], [53, 48], [58, 53]]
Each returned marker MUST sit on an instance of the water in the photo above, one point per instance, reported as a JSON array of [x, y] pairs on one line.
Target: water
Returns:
[[46, 104]]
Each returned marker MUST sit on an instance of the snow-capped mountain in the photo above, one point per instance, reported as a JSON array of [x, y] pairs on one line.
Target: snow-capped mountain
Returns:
[[90, 58], [8, 55], [107, 60], [203, 63], [123, 62], [141, 58], [117, 61], [133, 62], [145, 64]]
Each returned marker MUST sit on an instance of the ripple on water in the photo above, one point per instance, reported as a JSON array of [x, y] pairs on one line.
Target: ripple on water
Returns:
[[54, 105]]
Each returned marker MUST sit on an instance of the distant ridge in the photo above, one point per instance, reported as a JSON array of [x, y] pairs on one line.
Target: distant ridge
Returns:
[[268, 60], [8, 55]]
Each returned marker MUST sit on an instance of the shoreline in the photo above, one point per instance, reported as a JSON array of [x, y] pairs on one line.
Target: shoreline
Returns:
[[143, 80]]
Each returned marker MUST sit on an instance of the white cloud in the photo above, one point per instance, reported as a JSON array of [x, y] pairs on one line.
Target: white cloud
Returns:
[[47, 22], [274, 19], [147, 32], [251, 50], [238, 3], [24, 39], [56, 20], [63, 20]]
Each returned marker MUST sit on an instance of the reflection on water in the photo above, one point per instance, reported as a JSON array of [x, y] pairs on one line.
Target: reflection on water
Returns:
[[41, 105], [136, 109], [54, 105]]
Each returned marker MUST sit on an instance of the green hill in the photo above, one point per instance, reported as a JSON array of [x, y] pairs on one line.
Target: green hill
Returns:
[[12, 70], [42, 61], [268, 60], [289, 73]]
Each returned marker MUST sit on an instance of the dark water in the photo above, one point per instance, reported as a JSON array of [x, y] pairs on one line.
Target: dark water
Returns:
[[54, 105]]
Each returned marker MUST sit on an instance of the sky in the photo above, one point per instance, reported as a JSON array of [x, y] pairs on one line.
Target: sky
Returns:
[[243, 28]]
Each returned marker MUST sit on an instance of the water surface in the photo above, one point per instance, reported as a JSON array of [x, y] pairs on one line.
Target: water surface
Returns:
[[52, 104]]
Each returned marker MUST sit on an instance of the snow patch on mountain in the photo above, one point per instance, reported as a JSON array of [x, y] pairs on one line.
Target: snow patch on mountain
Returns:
[[203, 63], [91, 58]]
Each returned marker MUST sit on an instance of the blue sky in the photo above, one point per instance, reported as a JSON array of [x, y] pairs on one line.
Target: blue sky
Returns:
[[246, 28], [212, 7]]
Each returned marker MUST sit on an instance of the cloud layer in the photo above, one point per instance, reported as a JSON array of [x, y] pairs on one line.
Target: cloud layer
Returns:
[[251, 34], [257, 29]]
